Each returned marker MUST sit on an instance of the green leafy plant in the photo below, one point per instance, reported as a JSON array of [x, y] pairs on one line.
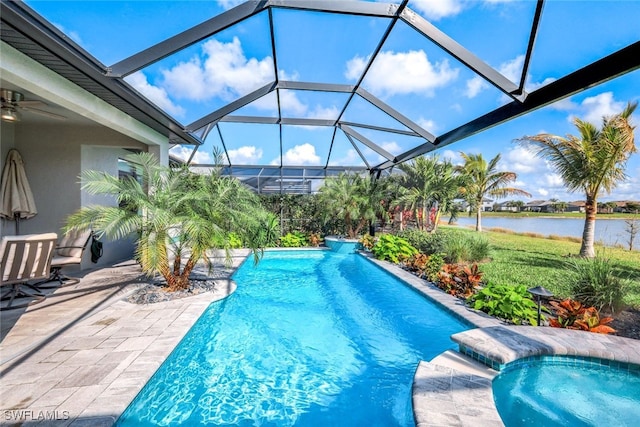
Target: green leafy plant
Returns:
[[393, 248], [235, 242], [433, 267], [465, 247], [459, 280], [596, 284], [511, 303], [573, 314], [295, 239]]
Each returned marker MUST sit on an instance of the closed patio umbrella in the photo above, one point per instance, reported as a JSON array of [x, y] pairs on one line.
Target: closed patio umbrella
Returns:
[[17, 200]]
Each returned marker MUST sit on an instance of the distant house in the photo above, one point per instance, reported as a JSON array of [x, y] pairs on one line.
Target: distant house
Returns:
[[487, 205], [505, 207], [577, 206], [539, 206]]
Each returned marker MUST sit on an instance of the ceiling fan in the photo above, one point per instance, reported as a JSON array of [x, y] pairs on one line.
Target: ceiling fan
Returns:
[[13, 101]]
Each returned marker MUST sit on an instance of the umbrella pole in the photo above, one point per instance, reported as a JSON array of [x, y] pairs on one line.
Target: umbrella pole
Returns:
[[17, 218]]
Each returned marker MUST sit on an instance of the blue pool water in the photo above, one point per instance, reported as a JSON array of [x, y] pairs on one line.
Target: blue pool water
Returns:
[[568, 393], [309, 338]]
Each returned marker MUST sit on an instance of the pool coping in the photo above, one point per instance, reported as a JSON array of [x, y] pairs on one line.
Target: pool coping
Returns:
[[457, 390]]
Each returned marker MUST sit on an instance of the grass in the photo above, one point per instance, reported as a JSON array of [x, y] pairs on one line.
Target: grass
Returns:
[[518, 259]]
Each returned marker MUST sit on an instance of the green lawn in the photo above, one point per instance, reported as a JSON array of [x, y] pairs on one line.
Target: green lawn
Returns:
[[531, 261]]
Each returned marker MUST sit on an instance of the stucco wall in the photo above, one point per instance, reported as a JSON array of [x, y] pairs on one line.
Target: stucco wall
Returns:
[[54, 157]]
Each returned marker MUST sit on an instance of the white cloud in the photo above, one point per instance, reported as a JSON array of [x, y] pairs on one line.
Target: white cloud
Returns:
[[437, 9], [290, 104], [351, 158], [521, 160], [183, 153], [599, 106], [304, 154], [474, 86], [319, 112], [391, 147], [543, 192], [453, 156], [427, 124], [554, 180], [223, 71], [402, 73], [245, 155], [512, 69], [155, 94], [228, 4]]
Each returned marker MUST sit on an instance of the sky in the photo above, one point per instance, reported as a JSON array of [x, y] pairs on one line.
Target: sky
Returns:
[[410, 74]]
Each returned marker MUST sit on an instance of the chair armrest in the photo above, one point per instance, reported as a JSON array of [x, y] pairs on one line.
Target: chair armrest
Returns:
[[69, 247]]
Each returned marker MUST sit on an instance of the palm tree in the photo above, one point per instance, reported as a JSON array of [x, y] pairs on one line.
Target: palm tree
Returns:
[[174, 213], [482, 179], [430, 185], [344, 197], [592, 162]]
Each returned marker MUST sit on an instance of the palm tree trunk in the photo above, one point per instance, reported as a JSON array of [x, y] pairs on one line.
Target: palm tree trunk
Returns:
[[479, 218], [588, 234]]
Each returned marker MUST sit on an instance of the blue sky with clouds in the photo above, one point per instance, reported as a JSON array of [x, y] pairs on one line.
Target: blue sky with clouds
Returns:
[[410, 74]]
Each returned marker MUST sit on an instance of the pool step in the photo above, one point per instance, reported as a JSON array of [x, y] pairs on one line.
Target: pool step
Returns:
[[448, 396]]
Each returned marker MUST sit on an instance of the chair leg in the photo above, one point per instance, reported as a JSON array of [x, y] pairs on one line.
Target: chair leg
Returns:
[[57, 276], [17, 291]]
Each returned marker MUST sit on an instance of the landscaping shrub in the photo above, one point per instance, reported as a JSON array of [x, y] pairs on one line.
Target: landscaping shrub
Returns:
[[393, 248], [511, 303], [597, 284], [295, 239], [367, 241], [465, 247], [574, 315], [433, 267], [427, 243], [459, 280]]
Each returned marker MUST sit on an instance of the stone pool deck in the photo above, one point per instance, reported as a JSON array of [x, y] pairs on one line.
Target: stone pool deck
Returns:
[[83, 354]]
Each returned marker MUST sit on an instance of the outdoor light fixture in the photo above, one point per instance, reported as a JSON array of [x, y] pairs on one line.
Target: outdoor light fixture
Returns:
[[539, 292], [9, 114]]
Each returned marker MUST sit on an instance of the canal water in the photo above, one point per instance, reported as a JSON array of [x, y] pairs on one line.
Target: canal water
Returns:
[[611, 232]]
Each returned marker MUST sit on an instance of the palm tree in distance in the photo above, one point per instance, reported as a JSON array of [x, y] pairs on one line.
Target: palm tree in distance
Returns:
[[430, 184], [593, 162], [482, 179]]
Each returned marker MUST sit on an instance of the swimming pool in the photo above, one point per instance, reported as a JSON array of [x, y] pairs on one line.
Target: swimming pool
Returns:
[[309, 338], [565, 391]]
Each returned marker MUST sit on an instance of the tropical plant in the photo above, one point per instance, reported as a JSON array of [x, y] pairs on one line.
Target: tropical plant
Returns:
[[315, 239], [483, 179], [574, 315], [464, 247], [295, 239], [593, 162], [175, 214], [367, 241], [459, 280], [431, 186], [356, 200], [392, 248], [511, 303], [596, 283], [433, 267]]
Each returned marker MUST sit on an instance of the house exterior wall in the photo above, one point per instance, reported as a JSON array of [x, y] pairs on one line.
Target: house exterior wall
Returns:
[[54, 157]]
